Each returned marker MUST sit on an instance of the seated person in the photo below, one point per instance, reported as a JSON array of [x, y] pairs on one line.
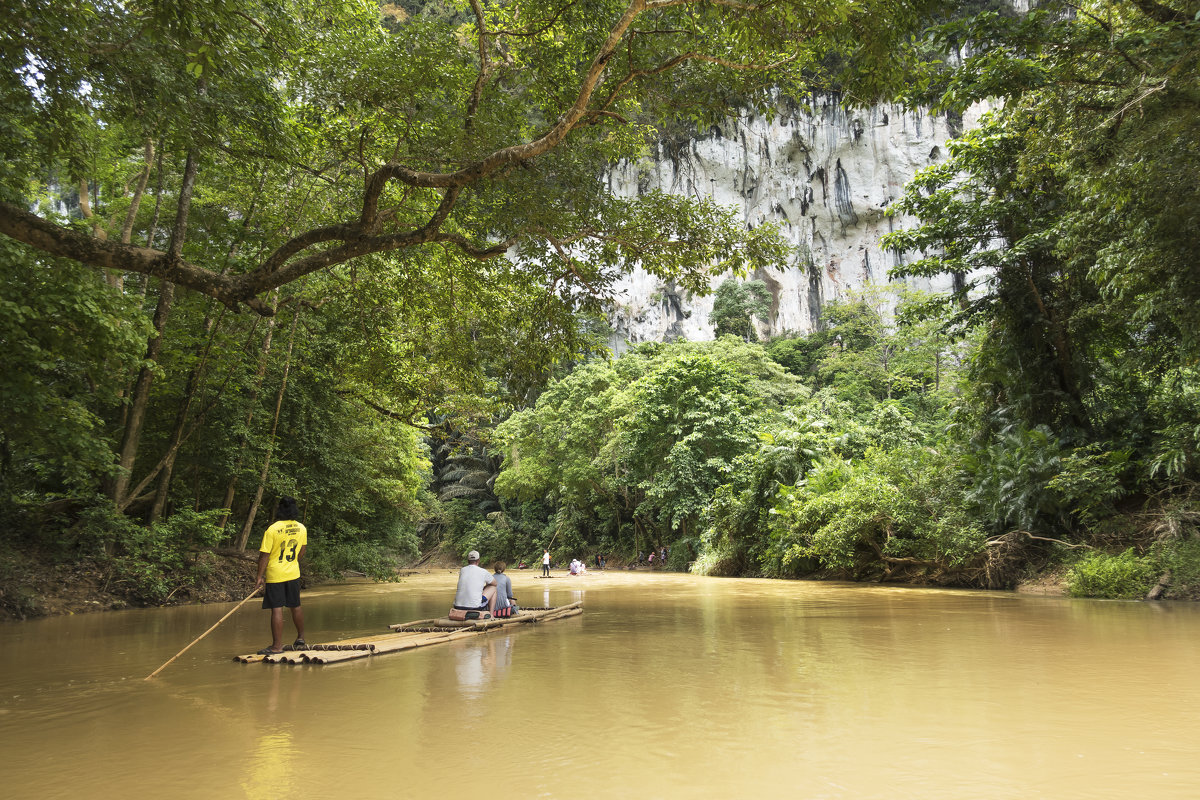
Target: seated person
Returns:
[[476, 589], [504, 591]]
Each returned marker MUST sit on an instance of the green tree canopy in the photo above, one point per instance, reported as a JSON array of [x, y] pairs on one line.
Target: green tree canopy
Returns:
[[480, 131], [736, 305]]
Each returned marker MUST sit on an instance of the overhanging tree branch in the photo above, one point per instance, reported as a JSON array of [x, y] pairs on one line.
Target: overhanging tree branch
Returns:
[[329, 245]]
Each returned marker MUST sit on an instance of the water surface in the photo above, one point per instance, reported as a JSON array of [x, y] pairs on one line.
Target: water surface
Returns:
[[668, 686]]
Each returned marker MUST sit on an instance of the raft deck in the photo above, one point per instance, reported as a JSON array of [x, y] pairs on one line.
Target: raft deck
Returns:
[[408, 636]]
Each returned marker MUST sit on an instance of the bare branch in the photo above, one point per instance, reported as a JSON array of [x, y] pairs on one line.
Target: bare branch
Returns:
[[407, 419], [261, 28], [531, 32], [1002, 539], [136, 202], [654, 5], [479, 253], [679, 59], [484, 67], [594, 117], [523, 152]]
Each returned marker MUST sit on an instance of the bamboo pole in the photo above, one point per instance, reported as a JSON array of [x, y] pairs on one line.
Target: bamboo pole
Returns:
[[333, 658], [414, 624], [206, 633], [573, 612]]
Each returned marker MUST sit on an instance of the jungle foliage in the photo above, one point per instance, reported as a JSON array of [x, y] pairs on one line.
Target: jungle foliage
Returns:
[[405, 196], [1071, 213], [747, 458], [1063, 417], [408, 201]]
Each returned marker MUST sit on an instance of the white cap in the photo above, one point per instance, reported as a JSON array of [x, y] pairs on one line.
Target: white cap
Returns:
[[473, 555]]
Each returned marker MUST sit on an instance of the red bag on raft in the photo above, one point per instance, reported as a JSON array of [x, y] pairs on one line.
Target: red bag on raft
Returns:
[[462, 614]]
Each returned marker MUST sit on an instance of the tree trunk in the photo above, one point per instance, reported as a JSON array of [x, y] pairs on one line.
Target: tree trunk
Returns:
[[259, 376], [266, 467], [189, 392], [158, 190], [179, 231], [131, 437], [116, 278], [1061, 348], [85, 210], [193, 381]]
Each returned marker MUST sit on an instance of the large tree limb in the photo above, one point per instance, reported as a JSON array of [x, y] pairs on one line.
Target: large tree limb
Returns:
[[407, 419], [64, 242], [70, 243], [525, 151], [329, 233]]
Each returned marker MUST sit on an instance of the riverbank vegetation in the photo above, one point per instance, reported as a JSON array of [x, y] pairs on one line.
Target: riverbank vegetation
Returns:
[[363, 259]]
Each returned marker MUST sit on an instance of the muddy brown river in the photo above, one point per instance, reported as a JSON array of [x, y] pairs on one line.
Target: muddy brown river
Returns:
[[668, 686]]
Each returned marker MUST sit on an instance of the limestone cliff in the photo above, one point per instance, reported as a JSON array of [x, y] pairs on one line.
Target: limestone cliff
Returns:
[[824, 175]]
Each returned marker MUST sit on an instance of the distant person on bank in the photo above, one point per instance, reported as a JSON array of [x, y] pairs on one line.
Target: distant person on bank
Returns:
[[504, 591], [283, 546], [476, 587]]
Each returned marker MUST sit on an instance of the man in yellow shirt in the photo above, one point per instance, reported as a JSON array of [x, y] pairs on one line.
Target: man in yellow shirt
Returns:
[[283, 545]]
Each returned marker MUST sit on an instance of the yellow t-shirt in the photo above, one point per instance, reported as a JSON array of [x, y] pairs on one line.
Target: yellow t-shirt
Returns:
[[283, 541]]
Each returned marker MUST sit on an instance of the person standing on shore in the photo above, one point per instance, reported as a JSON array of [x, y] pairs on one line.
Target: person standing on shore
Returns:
[[283, 546], [546, 563]]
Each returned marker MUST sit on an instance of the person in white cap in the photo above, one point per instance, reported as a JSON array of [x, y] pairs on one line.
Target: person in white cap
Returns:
[[476, 586]]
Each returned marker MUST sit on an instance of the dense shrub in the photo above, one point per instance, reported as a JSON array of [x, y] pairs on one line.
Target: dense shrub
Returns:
[[148, 563], [1126, 576], [894, 514], [1182, 558]]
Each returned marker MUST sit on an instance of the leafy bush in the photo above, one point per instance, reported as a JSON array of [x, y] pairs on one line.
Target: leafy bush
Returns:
[[1012, 473], [370, 558], [893, 514], [1126, 576], [681, 555], [1089, 481], [149, 563], [1182, 558], [374, 553]]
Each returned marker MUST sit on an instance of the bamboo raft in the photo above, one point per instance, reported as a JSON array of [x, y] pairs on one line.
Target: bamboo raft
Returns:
[[409, 636]]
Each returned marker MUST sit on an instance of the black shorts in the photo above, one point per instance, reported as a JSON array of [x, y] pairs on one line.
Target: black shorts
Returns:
[[284, 593]]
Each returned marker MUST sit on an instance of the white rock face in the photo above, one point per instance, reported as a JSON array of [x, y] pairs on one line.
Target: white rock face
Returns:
[[824, 176]]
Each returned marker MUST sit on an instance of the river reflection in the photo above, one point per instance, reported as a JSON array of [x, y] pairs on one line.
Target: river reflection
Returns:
[[478, 667], [668, 686]]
